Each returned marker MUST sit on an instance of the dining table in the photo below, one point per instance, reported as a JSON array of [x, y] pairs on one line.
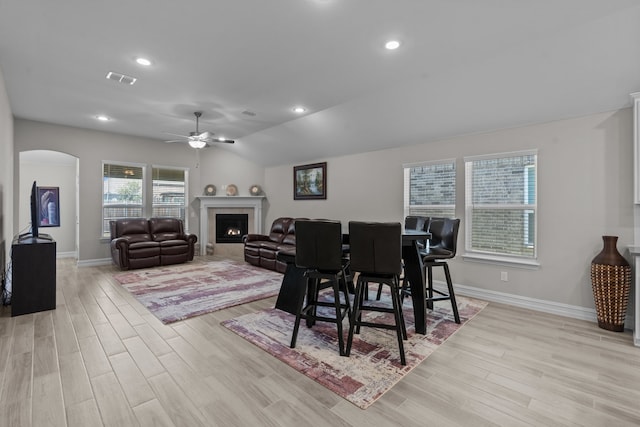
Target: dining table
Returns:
[[293, 285], [414, 274]]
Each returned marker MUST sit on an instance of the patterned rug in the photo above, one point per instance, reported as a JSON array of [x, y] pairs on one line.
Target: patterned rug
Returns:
[[374, 364], [181, 291]]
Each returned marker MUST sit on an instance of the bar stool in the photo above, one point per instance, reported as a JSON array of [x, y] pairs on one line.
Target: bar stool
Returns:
[[411, 222], [442, 246], [319, 253], [376, 254]]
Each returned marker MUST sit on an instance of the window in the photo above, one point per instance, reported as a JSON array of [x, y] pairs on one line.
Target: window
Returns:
[[169, 192], [430, 189], [501, 204], [122, 192]]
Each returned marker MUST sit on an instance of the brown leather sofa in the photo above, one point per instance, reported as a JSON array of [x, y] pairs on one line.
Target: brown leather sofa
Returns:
[[141, 242], [262, 249]]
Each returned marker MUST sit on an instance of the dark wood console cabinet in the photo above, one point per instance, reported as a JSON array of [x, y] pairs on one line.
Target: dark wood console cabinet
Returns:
[[33, 275]]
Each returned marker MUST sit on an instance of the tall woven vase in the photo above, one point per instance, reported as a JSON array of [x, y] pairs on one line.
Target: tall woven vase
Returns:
[[611, 283]]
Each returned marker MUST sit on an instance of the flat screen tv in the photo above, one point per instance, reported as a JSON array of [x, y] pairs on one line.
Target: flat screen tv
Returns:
[[34, 210]]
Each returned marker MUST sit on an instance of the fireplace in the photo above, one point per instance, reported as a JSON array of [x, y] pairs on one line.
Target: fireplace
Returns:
[[231, 227]]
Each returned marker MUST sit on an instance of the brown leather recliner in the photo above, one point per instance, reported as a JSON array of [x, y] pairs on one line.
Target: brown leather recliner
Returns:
[[140, 243], [261, 250]]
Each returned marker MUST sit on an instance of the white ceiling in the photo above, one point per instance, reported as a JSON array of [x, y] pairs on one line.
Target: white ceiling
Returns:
[[464, 66]]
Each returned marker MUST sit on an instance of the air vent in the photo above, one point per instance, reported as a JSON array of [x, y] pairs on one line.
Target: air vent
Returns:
[[122, 78]]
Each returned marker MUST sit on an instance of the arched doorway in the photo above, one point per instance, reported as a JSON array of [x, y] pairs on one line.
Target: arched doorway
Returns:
[[51, 169]]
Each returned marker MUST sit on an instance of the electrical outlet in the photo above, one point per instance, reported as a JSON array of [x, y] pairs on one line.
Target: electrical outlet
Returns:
[[504, 276]]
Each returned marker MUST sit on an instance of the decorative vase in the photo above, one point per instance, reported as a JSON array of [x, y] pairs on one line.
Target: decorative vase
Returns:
[[611, 283]]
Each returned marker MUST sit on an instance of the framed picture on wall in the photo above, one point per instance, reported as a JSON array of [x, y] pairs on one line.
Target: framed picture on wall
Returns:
[[310, 181], [49, 206]]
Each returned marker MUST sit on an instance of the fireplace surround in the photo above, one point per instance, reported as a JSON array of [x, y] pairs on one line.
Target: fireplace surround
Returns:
[[228, 204]]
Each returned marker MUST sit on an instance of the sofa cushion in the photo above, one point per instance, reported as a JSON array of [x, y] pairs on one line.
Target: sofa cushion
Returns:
[[172, 247], [132, 229], [279, 229], [144, 249], [166, 229]]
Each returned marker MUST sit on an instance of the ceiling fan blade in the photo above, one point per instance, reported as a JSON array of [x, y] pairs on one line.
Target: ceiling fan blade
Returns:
[[206, 135], [176, 140], [176, 134]]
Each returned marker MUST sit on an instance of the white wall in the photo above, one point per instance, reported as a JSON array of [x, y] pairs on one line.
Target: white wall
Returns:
[[585, 175], [6, 175], [92, 147], [585, 172]]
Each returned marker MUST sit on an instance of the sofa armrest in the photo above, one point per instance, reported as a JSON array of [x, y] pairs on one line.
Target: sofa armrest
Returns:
[[254, 237], [191, 241], [120, 252]]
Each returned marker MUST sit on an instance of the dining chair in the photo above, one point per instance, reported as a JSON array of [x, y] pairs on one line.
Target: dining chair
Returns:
[[442, 246], [411, 222], [376, 255], [319, 253]]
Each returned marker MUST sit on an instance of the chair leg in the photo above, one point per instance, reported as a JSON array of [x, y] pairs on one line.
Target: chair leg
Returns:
[[355, 314], [379, 294], [399, 293], [429, 287], [452, 296], [336, 297], [347, 290], [401, 331], [405, 288], [299, 313], [313, 290]]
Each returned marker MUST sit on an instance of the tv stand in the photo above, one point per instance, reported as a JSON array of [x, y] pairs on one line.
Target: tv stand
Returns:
[[33, 280]]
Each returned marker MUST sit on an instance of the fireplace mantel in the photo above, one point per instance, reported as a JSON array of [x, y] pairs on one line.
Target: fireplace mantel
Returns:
[[209, 202]]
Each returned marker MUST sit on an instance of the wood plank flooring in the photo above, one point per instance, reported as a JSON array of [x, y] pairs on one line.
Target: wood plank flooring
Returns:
[[101, 358]]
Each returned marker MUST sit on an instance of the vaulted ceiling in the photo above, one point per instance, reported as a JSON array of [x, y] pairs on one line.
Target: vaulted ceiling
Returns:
[[463, 66]]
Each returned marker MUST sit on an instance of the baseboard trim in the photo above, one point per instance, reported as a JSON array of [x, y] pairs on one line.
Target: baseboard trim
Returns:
[[73, 254], [545, 306], [93, 262]]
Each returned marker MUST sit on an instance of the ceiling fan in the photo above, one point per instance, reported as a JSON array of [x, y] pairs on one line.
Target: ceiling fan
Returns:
[[197, 139]]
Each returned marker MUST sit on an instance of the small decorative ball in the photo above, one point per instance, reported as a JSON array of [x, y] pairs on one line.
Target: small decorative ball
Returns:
[[255, 190]]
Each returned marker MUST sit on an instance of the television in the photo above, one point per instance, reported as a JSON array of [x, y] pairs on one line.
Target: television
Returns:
[[34, 211], [45, 210]]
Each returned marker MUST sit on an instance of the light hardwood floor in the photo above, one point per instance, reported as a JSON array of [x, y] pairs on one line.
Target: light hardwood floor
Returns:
[[101, 358]]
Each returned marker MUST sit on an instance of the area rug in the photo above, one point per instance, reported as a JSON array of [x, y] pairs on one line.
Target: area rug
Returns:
[[373, 367], [181, 291]]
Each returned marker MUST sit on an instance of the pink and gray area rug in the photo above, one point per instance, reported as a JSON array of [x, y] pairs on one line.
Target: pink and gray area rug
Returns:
[[373, 367], [181, 291]]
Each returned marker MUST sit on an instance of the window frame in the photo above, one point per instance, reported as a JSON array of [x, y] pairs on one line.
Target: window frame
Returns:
[[501, 257]]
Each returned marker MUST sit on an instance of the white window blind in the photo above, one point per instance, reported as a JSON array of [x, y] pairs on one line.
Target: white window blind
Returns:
[[430, 188], [169, 192], [122, 192], [501, 204]]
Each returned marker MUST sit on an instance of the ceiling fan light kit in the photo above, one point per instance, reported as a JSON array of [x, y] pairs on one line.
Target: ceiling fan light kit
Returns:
[[197, 143]]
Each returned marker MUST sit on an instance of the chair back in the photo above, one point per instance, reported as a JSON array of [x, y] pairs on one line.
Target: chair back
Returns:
[[421, 223], [376, 247], [319, 244], [444, 237], [415, 222]]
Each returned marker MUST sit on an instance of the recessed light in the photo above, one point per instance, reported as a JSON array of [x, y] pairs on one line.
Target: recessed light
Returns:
[[392, 44], [143, 61], [299, 110], [103, 118]]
